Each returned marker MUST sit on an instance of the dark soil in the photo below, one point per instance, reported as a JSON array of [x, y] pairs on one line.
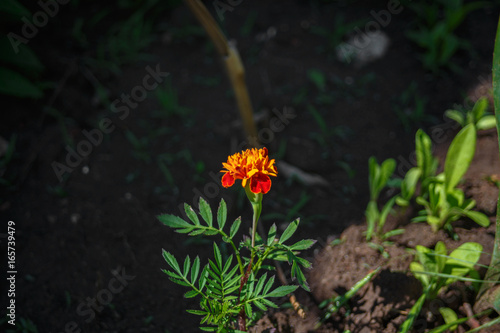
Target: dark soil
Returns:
[[88, 248]]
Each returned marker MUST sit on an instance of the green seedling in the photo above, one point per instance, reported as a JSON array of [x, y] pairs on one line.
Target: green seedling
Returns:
[[335, 35], [168, 98], [426, 162], [334, 304], [444, 203], [378, 178], [436, 23], [477, 116], [410, 108], [436, 269]]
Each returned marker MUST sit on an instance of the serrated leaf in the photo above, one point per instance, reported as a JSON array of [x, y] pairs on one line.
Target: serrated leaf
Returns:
[[197, 312], [297, 274], [235, 227], [203, 278], [282, 291], [227, 264], [222, 214], [271, 234], [268, 285], [173, 221], [303, 244], [171, 261], [268, 303], [191, 214], [191, 294], [187, 266], [260, 305], [248, 310], [218, 257], [289, 231], [260, 284], [205, 211], [195, 269], [197, 232]]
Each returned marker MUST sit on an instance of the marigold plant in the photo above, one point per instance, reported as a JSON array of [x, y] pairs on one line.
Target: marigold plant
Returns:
[[232, 297]]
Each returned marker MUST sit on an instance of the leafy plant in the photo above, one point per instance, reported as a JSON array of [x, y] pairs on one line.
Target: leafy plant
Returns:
[[477, 116], [335, 35], [410, 108], [436, 23], [443, 202], [378, 178], [221, 285], [436, 269], [335, 303], [232, 293]]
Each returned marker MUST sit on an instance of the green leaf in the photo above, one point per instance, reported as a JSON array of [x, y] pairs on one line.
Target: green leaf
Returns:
[[205, 211], [187, 266], [423, 150], [218, 257], [268, 285], [191, 294], [222, 214], [459, 156], [173, 221], [260, 284], [297, 274], [467, 255], [271, 235], [486, 122], [15, 84], [477, 217], [24, 60], [479, 108], [456, 116], [195, 269], [449, 316], [318, 78], [171, 261], [303, 244], [289, 231], [282, 291], [234, 228], [191, 214]]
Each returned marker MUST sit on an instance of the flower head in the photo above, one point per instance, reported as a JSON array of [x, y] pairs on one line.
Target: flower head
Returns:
[[253, 167]]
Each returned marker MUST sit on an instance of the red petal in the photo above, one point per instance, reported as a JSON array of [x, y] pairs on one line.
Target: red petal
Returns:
[[260, 184], [227, 180]]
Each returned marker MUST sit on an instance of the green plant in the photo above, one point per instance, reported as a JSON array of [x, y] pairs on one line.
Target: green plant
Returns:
[[436, 23], [233, 296], [335, 303], [335, 35], [410, 108], [477, 116], [443, 202], [378, 178], [436, 269], [168, 98], [20, 68]]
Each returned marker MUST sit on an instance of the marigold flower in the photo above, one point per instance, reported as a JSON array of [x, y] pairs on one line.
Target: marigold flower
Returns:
[[253, 167]]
